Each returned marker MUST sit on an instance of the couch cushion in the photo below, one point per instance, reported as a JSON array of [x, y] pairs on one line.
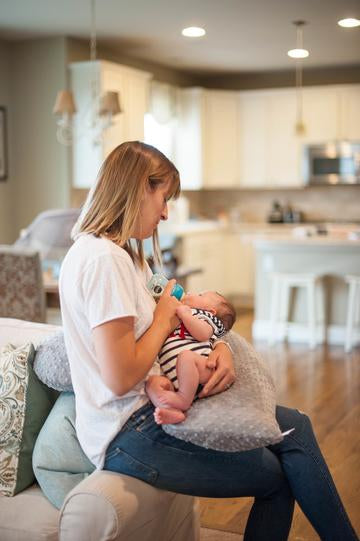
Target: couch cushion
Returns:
[[28, 517], [18, 332], [241, 418], [24, 404], [59, 462]]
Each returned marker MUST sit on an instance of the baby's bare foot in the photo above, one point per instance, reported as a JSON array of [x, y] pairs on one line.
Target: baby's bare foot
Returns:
[[168, 416]]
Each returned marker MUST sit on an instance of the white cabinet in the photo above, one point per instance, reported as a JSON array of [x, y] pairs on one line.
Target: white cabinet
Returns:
[[269, 149], [208, 252], [247, 139], [240, 266], [321, 114], [253, 139], [207, 146], [349, 103], [90, 150], [221, 136], [226, 259]]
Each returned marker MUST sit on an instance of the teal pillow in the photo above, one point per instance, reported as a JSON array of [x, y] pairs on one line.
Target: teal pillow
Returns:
[[59, 462], [24, 405]]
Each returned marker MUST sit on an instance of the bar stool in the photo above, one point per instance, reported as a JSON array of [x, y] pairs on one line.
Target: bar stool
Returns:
[[353, 308], [281, 284]]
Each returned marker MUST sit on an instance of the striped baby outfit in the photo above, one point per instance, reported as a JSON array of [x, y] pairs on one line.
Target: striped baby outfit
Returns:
[[180, 339]]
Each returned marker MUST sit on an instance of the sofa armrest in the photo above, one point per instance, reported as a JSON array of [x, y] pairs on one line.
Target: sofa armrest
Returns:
[[108, 506]]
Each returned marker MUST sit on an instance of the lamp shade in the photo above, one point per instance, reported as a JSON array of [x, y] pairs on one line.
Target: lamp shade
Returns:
[[64, 103], [110, 104]]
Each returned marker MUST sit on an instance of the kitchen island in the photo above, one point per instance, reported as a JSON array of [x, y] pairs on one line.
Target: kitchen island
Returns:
[[328, 256]]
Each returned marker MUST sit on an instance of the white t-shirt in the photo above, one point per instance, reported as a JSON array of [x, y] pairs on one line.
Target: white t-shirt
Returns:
[[99, 282]]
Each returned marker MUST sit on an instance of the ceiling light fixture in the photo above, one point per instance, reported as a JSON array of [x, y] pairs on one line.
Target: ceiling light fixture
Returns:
[[349, 22], [299, 51], [299, 54], [103, 108], [193, 32]]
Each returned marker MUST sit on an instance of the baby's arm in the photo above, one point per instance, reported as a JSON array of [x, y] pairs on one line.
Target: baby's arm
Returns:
[[198, 328]]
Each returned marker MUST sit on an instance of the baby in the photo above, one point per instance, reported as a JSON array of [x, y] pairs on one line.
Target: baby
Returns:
[[184, 355]]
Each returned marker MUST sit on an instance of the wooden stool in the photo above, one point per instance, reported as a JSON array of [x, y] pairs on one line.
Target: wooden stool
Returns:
[[281, 284], [353, 309]]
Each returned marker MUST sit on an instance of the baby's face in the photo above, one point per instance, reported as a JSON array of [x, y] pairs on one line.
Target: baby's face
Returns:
[[208, 300]]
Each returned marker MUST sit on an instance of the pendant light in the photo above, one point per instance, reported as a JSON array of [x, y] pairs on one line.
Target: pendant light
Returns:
[[104, 107], [299, 54]]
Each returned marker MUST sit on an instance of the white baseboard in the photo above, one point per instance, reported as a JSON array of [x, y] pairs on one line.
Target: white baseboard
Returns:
[[297, 332]]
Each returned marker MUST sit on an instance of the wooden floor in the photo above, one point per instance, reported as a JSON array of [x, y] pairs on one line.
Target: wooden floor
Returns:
[[325, 384]]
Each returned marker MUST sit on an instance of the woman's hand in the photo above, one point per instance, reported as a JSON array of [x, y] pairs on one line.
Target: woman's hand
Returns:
[[165, 311], [224, 375]]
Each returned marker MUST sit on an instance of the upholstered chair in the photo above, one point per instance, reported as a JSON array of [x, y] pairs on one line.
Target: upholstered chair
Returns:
[[22, 294]]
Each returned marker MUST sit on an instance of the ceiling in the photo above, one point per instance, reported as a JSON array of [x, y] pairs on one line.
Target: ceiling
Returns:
[[242, 35]]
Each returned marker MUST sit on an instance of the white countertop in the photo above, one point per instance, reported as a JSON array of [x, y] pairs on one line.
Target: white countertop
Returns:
[[319, 240], [260, 233]]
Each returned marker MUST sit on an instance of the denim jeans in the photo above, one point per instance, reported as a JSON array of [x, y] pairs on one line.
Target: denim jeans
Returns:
[[275, 476]]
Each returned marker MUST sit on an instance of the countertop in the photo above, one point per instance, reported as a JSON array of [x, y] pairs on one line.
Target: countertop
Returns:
[[265, 233]]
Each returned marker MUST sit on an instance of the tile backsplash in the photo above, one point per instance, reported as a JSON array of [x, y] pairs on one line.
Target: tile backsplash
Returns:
[[325, 203]]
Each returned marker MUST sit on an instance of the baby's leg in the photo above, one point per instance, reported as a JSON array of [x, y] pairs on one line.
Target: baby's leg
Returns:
[[204, 371], [157, 388]]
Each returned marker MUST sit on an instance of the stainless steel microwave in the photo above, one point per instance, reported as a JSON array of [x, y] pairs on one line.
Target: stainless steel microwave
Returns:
[[332, 163]]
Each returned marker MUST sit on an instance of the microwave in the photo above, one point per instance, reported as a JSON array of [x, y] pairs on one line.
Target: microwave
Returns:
[[332, 163]]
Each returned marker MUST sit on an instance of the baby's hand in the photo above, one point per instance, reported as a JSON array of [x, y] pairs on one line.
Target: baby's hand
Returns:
[[182, 310]]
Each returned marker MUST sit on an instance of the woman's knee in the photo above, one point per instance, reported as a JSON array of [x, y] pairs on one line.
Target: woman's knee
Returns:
[[293, 419]]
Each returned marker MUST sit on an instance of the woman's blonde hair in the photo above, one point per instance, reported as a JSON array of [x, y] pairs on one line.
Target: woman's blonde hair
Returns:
[[113, 206]]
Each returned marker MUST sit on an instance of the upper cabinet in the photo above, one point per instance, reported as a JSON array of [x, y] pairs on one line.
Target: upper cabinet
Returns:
[[349, 104], [207, 141], [271, 154], [90, 148], [321, 114], [221, 135], [247, 139], [269, 148]]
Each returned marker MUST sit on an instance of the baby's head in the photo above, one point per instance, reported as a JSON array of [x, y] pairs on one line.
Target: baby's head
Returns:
[[213, 302]]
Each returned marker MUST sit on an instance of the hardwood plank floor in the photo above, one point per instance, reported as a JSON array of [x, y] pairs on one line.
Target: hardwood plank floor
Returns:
[[325, 384]]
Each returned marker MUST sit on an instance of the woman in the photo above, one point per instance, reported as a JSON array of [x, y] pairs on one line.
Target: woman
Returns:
[[113, 333]]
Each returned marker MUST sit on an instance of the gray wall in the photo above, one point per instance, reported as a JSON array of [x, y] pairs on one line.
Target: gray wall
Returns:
[[6, 187], [39, 166]]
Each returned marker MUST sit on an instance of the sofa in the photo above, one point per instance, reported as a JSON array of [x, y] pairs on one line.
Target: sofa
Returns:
[[104, 506]]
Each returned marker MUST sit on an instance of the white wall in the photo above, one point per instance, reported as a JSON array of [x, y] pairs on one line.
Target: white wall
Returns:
[[6, 215], [39, 164]]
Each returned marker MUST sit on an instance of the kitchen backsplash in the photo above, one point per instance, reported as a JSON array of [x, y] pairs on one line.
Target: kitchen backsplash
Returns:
[[325, 203]]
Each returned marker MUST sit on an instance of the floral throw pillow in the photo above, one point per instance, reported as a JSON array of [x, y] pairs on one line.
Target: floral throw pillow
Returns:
[[24, 405]]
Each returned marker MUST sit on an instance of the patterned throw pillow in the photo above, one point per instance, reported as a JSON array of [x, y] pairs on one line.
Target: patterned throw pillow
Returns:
[[241, 418], [24, 405]]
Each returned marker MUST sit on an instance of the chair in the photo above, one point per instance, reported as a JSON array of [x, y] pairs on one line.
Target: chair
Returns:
[[22, 294], [49, 233], [281, 284], [353, 309]]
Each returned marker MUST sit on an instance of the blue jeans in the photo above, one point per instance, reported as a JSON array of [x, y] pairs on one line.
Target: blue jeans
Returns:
[[275, 476]]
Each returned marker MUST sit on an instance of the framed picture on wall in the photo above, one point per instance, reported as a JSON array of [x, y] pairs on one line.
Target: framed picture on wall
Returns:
[[3, 145]]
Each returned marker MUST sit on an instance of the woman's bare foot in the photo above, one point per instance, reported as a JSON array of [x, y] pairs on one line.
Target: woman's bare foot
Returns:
[[168, 416]]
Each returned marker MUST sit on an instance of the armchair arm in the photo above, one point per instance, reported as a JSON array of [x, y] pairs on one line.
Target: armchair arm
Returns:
[[108, 506]]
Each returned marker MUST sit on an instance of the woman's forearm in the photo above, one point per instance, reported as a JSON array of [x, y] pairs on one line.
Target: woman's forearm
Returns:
[[123, 362]]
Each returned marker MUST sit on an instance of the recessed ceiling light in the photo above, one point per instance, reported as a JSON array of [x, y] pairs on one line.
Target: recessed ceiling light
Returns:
[[298, 53], [193, 32], [349, 23]]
